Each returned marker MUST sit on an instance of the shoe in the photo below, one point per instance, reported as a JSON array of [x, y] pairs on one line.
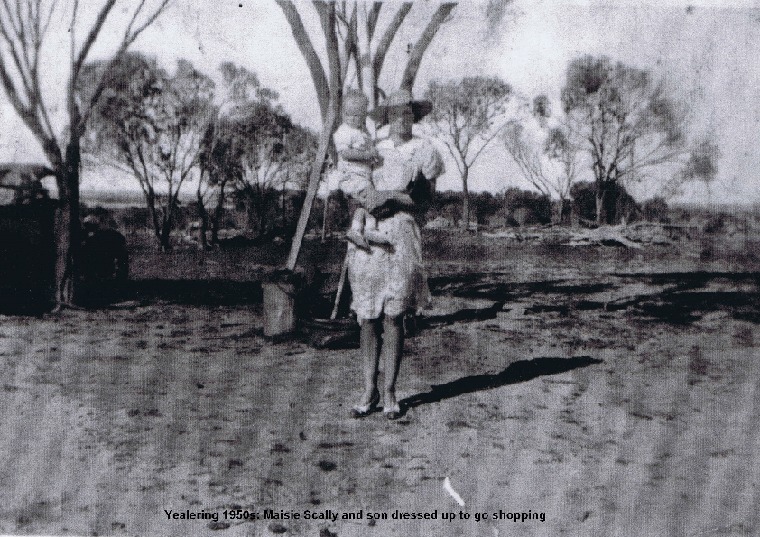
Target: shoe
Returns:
[[360, 411], [392, 412]]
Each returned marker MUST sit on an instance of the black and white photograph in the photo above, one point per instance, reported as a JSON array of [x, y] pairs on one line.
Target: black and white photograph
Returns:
[[361, 268]]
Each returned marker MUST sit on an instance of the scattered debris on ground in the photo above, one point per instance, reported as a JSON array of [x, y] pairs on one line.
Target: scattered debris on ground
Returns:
[[630, 236]]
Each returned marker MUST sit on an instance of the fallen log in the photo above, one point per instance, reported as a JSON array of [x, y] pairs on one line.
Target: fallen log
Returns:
[[602, 235]]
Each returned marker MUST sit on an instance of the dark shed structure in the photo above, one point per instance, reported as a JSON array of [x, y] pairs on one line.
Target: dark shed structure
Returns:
[[27, 239]]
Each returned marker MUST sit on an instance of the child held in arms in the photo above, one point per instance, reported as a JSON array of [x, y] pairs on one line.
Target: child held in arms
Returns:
[[357, 157]]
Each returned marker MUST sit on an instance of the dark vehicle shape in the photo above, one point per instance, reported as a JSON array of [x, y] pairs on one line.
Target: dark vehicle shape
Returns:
[[104, 267], [28, 249], [27, 239]]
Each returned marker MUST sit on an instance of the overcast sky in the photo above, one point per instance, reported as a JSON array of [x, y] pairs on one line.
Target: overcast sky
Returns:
[[708, 53]]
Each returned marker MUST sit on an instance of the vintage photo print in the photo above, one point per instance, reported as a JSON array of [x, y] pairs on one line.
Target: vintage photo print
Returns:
[[373, 268]]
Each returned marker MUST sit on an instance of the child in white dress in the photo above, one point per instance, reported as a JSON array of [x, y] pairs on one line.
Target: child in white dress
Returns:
[[357, 157]]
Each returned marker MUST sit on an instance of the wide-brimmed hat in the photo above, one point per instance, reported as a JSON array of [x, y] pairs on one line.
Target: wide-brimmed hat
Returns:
[[401, 99]]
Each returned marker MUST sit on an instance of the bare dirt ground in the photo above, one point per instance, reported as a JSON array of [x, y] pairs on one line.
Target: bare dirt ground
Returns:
[[616, 392]]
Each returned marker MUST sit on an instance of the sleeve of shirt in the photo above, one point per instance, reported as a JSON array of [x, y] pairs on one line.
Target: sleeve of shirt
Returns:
[[431, 162], [330, 184], [342, 138]]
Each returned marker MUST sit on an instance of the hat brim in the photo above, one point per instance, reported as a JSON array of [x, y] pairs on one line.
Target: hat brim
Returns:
[[419, 108]]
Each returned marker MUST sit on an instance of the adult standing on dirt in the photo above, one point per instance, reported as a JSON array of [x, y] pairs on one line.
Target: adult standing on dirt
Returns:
[[389, 281]]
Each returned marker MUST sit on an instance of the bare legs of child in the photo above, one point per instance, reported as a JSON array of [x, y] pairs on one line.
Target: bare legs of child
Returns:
[[363, 231], [355, 233]]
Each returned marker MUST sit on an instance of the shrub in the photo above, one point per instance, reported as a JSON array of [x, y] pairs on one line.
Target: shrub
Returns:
[[134, 219], [656, 210], [618, 203], [105, 216], [539, 205], [484, 205], [523, 216], [583, 196], [715, 223]]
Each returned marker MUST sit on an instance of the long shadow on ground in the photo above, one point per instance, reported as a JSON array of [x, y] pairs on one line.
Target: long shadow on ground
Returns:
[[343, 333], [498, 287], [196, 292], [688, 297], [520, 371], [684, 297]]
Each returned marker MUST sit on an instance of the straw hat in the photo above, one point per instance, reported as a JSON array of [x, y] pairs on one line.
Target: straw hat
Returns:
[[400, 99]]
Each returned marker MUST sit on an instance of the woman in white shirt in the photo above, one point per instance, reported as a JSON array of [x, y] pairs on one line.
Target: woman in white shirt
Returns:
[[388, 282]]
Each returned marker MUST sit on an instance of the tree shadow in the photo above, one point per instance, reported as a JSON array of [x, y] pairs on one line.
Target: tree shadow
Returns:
[[498, 286], [520, 371], [460, 316], [343, 333], [207, 292]]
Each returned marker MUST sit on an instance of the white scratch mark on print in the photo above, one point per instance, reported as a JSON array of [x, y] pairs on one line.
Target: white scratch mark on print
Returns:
[[454, 494]]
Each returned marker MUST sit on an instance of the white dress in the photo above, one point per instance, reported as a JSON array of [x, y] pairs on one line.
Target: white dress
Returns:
[[392, 281]]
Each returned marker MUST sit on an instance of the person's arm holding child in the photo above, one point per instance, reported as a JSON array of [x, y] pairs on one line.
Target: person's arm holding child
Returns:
[[385, 203], [366, 155]]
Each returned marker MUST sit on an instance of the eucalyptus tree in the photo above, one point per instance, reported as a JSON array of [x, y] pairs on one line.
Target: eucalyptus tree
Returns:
[[27, 29], [354, 41], [546, 151], [467, 116], [630, 124], [151, 123]]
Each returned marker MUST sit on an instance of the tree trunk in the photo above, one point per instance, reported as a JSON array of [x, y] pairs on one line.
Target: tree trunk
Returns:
[[250, 215], [306, 47], [465, 201], [263, 220], [311, 191], [150, 201], [166, 229], [600, 212], [325, 215], [326, 13], [203, 213], [560, 210], [386, 40], [217, 217], [68, 227]]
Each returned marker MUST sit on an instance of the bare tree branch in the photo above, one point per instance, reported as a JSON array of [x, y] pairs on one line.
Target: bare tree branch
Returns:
[[10, 16], [326, 11], [129, 38], [13, 38], [486, 141], [28, 116], [72, 31], [91, 37], [46, 24], [385, 41], [374, 14], [136, 13], [351, 48], [418, 51], [309, 54]]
